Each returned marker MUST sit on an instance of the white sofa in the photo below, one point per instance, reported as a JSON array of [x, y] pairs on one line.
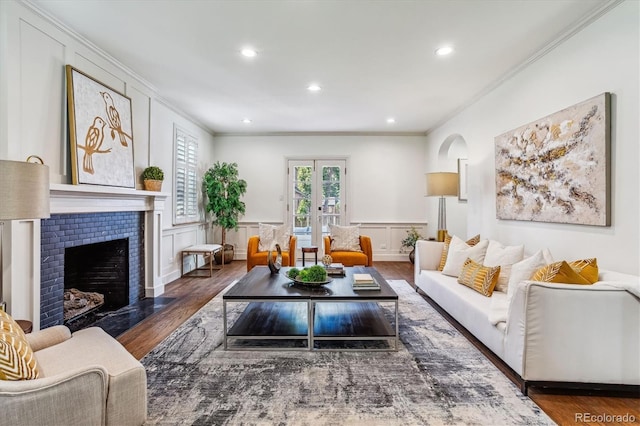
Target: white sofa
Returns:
[[581, 335], [86, 378]]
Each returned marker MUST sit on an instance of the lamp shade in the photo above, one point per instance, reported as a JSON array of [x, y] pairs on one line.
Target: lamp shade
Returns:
[[24, 190], [442, 184]]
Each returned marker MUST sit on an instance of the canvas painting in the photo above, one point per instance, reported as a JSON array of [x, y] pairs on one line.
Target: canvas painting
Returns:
[[556, 169], [100, 132]]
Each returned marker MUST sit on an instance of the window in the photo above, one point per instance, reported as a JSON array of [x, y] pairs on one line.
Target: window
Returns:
[[186, 177]]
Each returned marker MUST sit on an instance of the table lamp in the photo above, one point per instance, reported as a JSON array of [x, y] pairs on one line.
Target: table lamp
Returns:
[[442, 184], [24, 194]]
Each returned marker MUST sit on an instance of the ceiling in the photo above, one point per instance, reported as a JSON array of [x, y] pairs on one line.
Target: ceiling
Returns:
[[373, 59]]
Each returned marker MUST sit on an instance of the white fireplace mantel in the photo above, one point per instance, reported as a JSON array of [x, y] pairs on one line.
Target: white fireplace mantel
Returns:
[[98, 199], [22, 280]]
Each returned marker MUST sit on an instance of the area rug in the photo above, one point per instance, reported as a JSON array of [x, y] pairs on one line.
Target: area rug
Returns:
[[436, 378]]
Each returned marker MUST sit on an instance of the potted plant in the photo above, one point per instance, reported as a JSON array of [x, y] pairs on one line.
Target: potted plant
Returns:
[[152, 178], [410, 241], [224, 189]]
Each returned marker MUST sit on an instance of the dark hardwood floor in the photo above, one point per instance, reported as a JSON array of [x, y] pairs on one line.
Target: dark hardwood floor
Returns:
[[564, 407]]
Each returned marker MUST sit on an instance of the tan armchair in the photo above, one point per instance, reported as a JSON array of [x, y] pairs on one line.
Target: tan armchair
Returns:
[[86, 378], [351, 258], [255, 257]]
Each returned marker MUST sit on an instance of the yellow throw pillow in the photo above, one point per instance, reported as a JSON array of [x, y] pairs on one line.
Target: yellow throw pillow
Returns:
[[482, 279], [17, 361], [586, 268], [445, 250], [558, 272]]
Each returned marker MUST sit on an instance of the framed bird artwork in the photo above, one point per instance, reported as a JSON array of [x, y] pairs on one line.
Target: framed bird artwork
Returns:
[[100, 132]]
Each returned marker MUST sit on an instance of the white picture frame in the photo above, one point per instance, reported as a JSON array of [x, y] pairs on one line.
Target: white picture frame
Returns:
[[463, 165]]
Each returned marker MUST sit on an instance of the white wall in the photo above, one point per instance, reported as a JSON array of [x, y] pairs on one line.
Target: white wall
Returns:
[[603, 57], [33, 121], [176, 238], [385, 178]]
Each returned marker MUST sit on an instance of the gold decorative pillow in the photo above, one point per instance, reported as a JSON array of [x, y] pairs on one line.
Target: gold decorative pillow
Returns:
[[17, 361], [586, 268], [558, 272], [445, 250], [482, 279]]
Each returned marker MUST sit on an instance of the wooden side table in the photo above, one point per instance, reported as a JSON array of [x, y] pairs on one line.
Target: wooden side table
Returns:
[[310, 249]]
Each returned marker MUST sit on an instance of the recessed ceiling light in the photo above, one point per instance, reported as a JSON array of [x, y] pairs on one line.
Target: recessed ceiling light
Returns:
[[246, 121], [444, 50], [313, 87], [248, 52], [391, 120]]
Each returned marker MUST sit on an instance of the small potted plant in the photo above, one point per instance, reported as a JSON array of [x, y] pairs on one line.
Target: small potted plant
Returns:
[[410, 241], [152, 177]]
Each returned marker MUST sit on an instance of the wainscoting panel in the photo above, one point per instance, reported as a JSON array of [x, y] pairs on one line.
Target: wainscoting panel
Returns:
[[175, 240], [386, 238]]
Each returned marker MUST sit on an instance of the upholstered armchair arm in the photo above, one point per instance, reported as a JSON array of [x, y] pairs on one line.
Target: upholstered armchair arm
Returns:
[[48, 337], [46, 400], [365, 245], [292, 250], [252, 249], [327, 244]]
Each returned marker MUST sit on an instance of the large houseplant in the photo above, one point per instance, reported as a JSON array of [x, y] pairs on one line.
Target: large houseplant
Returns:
[[224, 189]]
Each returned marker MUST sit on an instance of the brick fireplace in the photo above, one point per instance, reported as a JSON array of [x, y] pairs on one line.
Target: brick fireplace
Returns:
[[34, 249], [64, 234]]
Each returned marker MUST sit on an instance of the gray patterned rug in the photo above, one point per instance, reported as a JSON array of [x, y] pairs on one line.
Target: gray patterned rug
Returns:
[[436, 378]]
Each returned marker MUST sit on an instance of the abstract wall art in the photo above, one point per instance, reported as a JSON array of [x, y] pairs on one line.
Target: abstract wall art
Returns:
[[100, 132], [556, 169]]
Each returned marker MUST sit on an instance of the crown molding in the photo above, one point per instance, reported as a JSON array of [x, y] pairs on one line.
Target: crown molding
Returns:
[[217, 134]]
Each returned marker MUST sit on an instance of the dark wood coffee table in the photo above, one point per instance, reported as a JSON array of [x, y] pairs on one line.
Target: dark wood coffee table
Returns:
[[331, 317]]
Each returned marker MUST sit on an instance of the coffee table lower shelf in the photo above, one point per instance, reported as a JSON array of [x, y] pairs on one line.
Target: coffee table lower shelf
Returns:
[[335, 325]]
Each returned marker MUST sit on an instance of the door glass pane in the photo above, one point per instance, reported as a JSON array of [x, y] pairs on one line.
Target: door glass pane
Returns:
[[302, 224], [331, 202]]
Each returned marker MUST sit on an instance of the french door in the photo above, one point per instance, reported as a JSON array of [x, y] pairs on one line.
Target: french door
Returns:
[[317, 198]]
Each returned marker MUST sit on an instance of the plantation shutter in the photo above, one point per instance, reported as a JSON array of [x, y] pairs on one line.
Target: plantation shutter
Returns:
[[186, 177]]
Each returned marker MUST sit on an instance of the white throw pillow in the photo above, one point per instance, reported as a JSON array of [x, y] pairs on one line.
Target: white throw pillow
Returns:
[[503, 256], [272, 234], [459, 251], [525, 269], [345, 238]]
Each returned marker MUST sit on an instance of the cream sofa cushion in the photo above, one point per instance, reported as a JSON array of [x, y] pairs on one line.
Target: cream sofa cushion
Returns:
[[345, 238], [504, 257], [459, 252], [270, 235]]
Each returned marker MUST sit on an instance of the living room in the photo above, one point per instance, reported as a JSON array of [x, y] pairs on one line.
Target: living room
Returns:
[[598, 53]]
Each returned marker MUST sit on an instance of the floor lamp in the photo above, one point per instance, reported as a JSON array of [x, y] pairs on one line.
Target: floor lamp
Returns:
[[24, 194], [442, 184]]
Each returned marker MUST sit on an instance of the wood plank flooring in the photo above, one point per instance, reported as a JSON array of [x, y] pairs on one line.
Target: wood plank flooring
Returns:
[[564, 407]]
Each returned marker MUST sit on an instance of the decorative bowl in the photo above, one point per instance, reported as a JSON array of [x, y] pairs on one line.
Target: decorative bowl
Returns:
[[311, 283]]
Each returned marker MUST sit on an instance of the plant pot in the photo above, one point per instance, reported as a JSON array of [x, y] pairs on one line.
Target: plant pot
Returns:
[[412, 256], [153, 185], [228, 255]]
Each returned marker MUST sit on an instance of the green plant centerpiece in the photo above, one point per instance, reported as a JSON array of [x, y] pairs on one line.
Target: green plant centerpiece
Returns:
[[152, 178], [315, 274], [410, 241], [224, 189]]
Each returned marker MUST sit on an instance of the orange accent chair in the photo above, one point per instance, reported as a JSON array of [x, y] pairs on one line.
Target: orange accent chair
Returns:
[[351, 258], [255, 257]]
